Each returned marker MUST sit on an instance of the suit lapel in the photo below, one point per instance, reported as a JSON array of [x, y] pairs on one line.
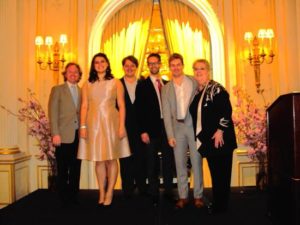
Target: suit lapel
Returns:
[[79, 98], [173, 99], [172, 89], [195, 88], [127, 97], [151, 87]]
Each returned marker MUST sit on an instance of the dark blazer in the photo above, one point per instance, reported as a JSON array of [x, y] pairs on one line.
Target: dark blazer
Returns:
[[131, 116], [148, 110], [216, 114]]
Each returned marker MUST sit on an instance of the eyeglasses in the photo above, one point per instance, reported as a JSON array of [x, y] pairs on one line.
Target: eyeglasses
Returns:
[[199, 69], [153, 63]]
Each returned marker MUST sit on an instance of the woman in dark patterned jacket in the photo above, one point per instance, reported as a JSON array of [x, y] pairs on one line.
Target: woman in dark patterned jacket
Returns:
[[214, 132]]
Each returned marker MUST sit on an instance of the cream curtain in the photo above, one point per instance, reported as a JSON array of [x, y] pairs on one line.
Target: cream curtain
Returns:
[[185, 32], [126, 34]]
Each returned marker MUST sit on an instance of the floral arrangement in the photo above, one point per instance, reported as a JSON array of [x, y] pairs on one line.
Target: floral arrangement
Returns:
[[250, 124], [38, 127]]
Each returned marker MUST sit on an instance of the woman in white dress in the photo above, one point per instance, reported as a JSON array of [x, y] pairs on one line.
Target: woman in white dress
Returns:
[[102, 126]]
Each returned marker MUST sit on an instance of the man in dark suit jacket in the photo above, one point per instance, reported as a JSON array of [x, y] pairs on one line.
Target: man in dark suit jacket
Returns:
[[152, 131], [64, 105], [133, 170]]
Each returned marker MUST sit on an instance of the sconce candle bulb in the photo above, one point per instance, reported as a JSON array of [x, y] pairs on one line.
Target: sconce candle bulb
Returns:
[[63, 39], [53, 60], [38, 42], [248, 36]]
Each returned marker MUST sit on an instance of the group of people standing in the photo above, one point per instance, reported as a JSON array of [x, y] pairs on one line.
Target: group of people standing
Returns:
[[139, 121]]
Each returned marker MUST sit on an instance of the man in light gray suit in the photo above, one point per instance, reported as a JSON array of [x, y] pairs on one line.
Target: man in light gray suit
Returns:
[[64, 105], [176, 97]]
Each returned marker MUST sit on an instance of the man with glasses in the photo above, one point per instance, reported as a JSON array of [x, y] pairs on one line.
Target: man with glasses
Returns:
[[152, 131]]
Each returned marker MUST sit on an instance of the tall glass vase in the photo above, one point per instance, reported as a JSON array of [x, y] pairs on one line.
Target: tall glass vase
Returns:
[[52, 175], [261, 176], [52, 183]]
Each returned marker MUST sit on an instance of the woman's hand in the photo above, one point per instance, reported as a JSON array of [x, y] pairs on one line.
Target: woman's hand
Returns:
[[122, 132], [83, 133], [218, 137]]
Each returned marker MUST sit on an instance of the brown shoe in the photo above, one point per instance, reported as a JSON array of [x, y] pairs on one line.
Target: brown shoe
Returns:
[[181, 203], [198, 202]]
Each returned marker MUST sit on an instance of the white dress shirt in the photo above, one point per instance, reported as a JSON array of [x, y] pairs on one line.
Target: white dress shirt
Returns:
[[183, 95]]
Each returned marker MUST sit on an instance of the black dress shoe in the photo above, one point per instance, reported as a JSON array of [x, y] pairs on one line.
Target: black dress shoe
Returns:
[[106, 207], [100, 205]]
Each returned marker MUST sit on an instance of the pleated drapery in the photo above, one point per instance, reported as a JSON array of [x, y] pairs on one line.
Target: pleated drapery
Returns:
[[127, 33], [186, 33]]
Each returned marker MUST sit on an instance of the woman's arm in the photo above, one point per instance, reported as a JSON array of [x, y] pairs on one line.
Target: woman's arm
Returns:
[[223, 112], [83, 112], [122, 111]]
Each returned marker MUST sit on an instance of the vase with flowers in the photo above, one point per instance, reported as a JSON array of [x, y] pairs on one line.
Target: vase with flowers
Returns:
[[32, 112], [250, 124]]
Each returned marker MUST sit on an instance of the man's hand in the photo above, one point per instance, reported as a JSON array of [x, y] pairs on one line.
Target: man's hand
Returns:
[[172, 142], [56, 140], [145, 138]]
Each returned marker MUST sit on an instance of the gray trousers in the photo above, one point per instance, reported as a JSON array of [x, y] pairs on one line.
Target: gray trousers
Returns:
[[185, 141]]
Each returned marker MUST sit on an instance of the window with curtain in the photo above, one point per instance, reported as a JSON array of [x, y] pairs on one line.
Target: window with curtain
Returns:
[[186, 33], [126, 34]]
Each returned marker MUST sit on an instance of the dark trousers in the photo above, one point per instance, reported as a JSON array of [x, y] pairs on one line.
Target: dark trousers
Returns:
[[133, 168], [68, 170], [133, 174], [220, 170], [156, 145]]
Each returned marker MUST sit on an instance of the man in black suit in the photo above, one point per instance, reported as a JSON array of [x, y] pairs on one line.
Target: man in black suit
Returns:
[[133, 170], [152, 131]]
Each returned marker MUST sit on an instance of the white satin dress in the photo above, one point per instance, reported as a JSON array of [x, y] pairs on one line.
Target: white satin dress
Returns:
[[102, 142]]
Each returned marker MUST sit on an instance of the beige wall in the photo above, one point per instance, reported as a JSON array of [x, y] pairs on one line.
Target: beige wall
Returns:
[[21, 21], [239, 16]]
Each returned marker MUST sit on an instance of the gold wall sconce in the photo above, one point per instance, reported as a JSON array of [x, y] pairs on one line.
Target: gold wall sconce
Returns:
[[53, 57], [260, 50]]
